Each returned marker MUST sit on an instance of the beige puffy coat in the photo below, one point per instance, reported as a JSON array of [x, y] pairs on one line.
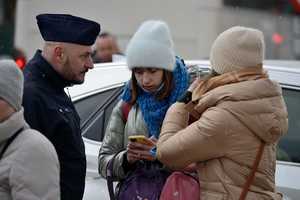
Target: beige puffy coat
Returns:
[[224, 141]]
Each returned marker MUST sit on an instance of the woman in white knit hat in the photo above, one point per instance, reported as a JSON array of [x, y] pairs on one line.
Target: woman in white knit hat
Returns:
[[239, 117], [158, 79], [29, 167]]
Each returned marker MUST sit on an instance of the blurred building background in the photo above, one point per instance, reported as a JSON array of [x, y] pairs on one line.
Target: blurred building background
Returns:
[[194, 23], [7, 21]]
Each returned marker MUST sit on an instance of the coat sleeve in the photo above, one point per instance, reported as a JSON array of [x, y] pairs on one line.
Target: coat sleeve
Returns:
[[32, 104], [112, 143], [180, 145], [34, 173], [36, 112]]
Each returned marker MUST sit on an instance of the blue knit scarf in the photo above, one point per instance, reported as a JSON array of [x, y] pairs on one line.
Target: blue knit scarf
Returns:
[[153, 110]]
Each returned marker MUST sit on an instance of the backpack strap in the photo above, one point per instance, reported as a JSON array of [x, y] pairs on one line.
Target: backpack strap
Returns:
[[110, 178], [254, 169], [126, 107], [9, 141]]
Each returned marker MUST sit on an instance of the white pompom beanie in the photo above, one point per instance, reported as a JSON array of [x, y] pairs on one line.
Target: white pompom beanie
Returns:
[[237, 48], [11, 83], [151, 46]]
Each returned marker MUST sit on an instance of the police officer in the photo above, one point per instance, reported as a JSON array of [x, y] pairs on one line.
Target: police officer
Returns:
[[64, 60]]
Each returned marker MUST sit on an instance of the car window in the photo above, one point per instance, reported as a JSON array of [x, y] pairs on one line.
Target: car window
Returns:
[[195, 71], [288, 147], [94, 112]]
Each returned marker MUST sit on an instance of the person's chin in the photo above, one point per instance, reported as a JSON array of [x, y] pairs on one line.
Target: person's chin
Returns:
[[77, 81], [150, 89]]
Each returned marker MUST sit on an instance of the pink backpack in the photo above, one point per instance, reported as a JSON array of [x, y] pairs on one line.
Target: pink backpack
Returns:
[[181, 186]]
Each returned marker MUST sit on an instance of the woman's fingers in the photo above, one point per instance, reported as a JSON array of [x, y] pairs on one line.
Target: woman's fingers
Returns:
[[140, 151], [137, 145], [153, 139], [132, 156], [140, 154], [194, 84]]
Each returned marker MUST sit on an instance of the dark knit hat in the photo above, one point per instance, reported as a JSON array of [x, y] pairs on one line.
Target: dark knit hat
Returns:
[[67, 28]]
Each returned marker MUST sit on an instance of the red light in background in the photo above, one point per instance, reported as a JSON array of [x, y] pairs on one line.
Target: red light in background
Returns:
[[20, 62], [296, 5], [277, 38]]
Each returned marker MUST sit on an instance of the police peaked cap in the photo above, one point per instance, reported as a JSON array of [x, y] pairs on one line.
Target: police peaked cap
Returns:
[[67, 28]]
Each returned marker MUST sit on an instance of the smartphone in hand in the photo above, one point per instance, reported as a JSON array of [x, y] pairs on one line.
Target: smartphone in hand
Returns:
[[140, 139]]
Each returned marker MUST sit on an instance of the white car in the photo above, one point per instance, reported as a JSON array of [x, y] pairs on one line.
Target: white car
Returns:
[[96, 98]]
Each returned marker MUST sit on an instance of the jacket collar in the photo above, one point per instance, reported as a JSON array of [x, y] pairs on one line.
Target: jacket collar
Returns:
[[48, 72], [12, 125], [247, 74]]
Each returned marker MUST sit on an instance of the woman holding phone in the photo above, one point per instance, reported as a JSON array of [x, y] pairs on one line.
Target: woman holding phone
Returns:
[[158, 79]]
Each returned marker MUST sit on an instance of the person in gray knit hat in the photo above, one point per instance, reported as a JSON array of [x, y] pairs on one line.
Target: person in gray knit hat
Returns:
[[151, 46], [11, 83], [158, 79], [24, 153], [239, 115]]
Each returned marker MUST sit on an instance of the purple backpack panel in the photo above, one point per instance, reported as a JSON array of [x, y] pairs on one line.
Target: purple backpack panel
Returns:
[[145, 182]]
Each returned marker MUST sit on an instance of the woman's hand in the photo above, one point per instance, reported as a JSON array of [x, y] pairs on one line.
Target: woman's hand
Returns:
[[194, 84], [191, 167], [138, 151]]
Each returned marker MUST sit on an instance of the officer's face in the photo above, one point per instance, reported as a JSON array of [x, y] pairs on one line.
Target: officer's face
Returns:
[[78, 62]]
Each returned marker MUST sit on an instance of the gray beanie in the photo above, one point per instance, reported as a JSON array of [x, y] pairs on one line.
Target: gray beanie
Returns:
[[151, 46], [237, 48], [11, 83]]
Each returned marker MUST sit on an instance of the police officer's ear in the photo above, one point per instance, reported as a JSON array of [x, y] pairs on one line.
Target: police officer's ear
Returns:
[[60, 55]]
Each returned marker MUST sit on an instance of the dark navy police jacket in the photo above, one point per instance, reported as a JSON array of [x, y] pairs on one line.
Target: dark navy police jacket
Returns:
[[49, 110]]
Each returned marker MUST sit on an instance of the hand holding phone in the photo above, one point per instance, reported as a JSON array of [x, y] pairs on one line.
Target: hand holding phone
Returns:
[[140, 139], [139, 148]]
